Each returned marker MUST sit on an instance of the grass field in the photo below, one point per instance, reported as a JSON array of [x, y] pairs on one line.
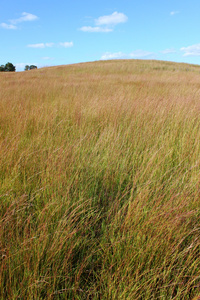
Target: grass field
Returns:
[[100, 182]]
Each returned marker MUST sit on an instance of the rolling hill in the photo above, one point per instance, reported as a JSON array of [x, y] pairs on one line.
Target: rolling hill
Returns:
[[99, 181]]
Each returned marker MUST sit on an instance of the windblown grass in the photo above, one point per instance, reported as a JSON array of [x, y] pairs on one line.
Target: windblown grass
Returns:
[[99, 182]]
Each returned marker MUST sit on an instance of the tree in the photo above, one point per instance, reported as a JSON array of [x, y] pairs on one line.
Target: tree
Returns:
[[26, 68], [2, 68], [33, 67], [9, 67]]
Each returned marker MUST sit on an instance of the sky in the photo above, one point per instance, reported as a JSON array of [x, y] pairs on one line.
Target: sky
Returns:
[[48, 33]]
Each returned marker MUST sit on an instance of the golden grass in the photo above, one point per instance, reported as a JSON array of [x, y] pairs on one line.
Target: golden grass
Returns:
[[99, 181]]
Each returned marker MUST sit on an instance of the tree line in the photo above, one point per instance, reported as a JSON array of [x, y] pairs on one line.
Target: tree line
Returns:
[[9, 67], [31, 67]]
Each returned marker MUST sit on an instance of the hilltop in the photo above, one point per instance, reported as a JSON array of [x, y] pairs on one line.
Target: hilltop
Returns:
[[99, 181]]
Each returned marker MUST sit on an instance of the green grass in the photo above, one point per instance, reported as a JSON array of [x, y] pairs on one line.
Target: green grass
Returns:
[[99, 182]]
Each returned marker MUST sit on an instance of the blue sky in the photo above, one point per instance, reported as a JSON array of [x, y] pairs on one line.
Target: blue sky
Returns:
[[48, 33]]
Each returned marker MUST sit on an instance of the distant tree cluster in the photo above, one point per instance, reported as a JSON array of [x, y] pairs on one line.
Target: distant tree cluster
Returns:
[[31, 67], [9, 67]]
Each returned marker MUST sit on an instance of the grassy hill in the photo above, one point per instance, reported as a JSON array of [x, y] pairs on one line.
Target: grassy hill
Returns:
[[99, 181]]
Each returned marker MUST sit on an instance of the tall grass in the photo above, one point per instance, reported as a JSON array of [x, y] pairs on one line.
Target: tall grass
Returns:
[[99, 182]]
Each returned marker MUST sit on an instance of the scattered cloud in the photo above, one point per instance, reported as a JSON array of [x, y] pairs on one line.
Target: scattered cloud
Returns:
[[41, 45], [66, 44], [112, 19], [141, 54], [24, 18], [168, 51], [117, 55], [193, 50], [120, 55], [47, 58], [8, 26], [172, 13], [50, 45], [95, 29], [20, 66], [106, 23]]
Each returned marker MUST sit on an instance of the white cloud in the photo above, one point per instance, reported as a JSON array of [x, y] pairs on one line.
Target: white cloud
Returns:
[[47, 58], [168, 51], [121, 55], [112, 19], [50, 45], [41, 45], [20, 66], [8, 26], [193, 50], [172, 13], [95, 29], [25, 17], [116, 55], [141, 54], [106, 23], [66, 44]]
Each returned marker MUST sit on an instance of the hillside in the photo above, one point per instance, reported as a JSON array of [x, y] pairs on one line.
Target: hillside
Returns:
[[99, 181]]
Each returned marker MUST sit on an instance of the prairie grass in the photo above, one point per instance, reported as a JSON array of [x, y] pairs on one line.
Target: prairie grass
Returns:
[[99, 182]]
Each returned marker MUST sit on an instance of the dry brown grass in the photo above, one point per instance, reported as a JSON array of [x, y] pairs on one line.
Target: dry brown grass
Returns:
[[99, 181]]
